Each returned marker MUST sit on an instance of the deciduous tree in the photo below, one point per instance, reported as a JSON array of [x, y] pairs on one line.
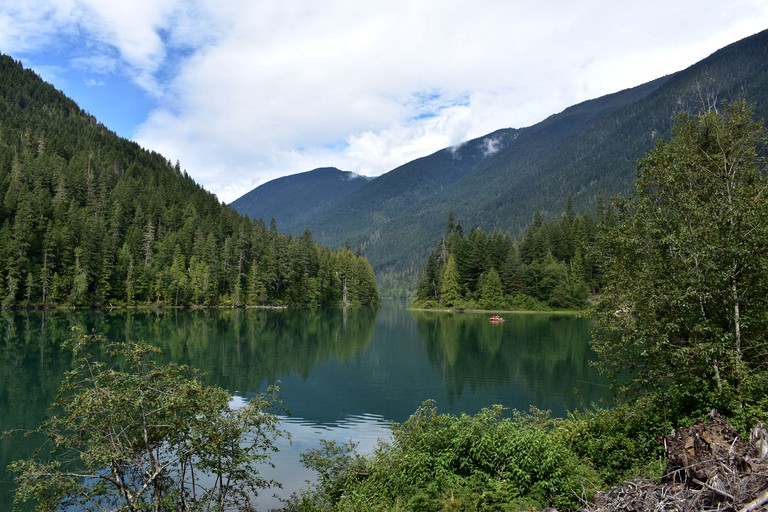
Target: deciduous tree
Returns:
[[130, 433], [687, 267]]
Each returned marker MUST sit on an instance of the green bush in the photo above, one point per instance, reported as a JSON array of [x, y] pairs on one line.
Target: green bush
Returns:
[[523, 302], [618, 443], [127, 432], [443, 462]]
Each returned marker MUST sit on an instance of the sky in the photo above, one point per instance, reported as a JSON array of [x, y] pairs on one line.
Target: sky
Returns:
[[241, 92]]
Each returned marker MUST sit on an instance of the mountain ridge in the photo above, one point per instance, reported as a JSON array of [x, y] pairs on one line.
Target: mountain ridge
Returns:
[[587, 148], [315, 191]]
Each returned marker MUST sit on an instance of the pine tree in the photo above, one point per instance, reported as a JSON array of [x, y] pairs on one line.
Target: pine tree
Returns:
[[429, 285], [450, 289], [513, 274], [491, 294]]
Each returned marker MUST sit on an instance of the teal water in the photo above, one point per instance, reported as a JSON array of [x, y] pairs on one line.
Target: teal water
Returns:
[[344, 374]]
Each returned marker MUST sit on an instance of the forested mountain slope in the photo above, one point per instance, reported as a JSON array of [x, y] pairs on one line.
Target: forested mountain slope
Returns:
[[89, 218], [294, 200], [590, 147], [595, 145], [384, 198]]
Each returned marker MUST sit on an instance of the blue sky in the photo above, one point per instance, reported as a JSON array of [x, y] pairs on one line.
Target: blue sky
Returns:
[[117, 102], [244, 91]]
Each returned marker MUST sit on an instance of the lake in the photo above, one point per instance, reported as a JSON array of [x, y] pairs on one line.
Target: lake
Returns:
[[343, 374]]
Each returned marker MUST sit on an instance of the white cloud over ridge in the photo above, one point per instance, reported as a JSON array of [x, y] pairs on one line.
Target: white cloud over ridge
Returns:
[[248, 91]]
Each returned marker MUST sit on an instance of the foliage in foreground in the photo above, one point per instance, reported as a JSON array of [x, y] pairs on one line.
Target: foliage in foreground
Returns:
[[128, 433], [440, 462], [685, 315]]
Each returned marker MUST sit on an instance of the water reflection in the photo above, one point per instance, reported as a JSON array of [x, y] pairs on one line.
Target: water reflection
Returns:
[[365, 430], [545, 357], [343, 374]]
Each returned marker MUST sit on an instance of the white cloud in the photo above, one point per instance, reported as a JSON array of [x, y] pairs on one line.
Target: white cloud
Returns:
[[24, 26], [248, 91]]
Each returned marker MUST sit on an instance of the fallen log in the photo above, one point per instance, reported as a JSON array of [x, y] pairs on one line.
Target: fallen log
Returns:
[[756, 504]]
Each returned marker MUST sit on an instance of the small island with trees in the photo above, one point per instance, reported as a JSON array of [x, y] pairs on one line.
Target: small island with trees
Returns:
[[553, 265]]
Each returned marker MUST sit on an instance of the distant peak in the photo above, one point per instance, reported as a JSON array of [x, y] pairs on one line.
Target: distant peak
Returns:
[[355, 176], [324, 170]]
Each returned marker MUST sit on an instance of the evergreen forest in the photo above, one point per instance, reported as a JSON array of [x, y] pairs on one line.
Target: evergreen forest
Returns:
[[553, 264], [91, 219]]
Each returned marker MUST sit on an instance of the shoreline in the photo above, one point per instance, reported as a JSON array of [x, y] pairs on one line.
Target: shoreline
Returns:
[[564, 312]]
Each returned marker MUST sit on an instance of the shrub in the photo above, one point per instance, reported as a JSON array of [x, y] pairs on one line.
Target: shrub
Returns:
[[443, 462], [618, 443], [130, 433]]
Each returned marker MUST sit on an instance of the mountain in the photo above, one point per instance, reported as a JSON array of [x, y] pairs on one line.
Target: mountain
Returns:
[[498, 181], [294, 200], [394, 191], [88, 218]]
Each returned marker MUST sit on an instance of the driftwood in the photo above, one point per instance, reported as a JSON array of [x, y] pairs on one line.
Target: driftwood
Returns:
[[756, 504], [709, 468], [706, 452]]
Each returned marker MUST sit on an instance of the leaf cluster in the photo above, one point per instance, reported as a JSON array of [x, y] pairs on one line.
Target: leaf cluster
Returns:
[[129, 433]]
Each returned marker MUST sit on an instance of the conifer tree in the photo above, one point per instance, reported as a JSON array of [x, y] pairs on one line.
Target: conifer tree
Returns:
[[491, 294], [450, 288]]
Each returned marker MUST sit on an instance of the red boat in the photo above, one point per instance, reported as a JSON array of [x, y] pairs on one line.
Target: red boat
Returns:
[[496, 319]]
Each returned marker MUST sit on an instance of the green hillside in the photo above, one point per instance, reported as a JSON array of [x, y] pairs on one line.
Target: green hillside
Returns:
[[587, 148], [91, 219], [294, 200]]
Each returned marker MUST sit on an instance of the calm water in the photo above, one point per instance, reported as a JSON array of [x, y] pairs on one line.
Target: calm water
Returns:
[[343, 374]]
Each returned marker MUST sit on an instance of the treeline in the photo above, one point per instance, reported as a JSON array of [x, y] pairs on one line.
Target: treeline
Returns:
[[554, 264], [90, 219]]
